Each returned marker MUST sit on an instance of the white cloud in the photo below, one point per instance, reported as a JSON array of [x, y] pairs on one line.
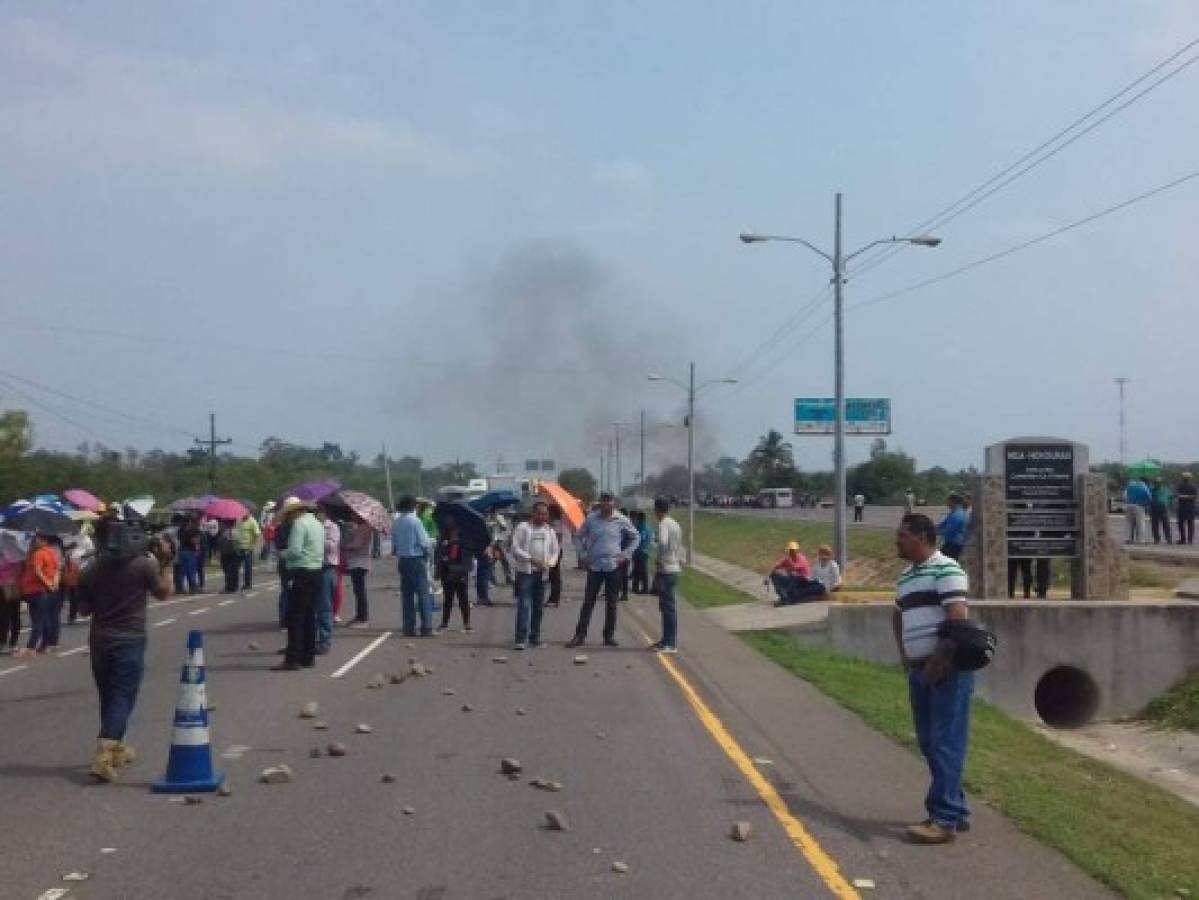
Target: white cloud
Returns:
[[65, 97], [624, 176]]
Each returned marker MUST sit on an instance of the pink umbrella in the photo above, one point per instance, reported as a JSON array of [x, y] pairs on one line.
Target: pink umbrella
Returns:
[[83, 499], [227, 509]]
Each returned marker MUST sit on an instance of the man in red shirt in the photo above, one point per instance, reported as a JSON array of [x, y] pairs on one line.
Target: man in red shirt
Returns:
[[790, 573]]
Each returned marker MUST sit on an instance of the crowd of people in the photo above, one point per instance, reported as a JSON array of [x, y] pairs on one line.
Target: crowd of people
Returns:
[[1147, 506]]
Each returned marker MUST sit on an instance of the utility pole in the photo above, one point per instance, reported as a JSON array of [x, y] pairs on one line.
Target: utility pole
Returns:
[[212, 443], [601, 468], [619, 474], [642, 454], [391, 500], [1121, 383], [841, 537], [691, 466]]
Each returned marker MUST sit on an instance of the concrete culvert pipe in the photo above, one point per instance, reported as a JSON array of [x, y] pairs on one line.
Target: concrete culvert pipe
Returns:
[[1066, 697]]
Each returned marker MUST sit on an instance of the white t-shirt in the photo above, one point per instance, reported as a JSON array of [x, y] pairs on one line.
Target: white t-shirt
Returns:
[[670, 546], [827, 573]]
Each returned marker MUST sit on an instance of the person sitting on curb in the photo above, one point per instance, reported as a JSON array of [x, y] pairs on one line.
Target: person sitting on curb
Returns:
[[826, 570], [791, 577]]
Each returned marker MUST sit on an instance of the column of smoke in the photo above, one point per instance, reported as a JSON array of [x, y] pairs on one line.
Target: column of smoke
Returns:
[[570, 345]]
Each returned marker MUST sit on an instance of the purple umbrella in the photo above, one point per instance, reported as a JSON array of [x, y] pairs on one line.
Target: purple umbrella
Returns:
[[192, 504], [311, 491]]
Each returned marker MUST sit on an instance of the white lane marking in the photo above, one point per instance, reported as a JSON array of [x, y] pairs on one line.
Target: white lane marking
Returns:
[[13, 669], [164, 622], [366, 651], [73, 651], [226, 602], [196, 612], [250, 594]]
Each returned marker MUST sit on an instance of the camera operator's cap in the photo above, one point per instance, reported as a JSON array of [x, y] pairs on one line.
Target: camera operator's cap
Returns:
[[793, 545]]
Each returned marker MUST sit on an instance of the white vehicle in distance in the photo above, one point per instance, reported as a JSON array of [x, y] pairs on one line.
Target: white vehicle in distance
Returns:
[[776, 498]]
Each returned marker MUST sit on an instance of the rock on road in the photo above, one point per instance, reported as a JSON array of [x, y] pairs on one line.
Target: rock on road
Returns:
[[644, 784]]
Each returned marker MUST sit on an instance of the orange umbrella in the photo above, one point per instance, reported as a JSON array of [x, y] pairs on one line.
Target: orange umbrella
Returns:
[[571, 507]]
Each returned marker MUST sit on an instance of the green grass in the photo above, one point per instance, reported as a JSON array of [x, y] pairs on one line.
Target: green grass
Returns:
[[1128, 834], [1178, 707], [704, 592]]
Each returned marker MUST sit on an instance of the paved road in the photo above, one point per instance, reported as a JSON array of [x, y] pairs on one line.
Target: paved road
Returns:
[[657, 759]]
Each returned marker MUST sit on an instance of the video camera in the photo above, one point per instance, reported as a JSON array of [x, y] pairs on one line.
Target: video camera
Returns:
[[123, 539]]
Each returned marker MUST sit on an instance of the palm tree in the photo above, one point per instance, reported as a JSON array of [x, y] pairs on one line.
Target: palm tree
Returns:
[[771, 460]]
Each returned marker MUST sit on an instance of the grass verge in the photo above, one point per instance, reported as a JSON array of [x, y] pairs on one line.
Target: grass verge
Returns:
[[1178, 707], [1130, 835], [705, 592]]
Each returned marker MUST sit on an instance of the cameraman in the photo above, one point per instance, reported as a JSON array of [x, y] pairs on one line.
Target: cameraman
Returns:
[[115, 591]]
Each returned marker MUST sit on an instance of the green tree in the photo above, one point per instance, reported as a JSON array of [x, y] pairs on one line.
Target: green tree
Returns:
[[16, 434], [770, 464], [579, 482], [885, 476]]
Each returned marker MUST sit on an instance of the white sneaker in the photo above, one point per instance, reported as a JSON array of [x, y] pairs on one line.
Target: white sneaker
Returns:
[[519, 647], [337, 620], [671, 650]]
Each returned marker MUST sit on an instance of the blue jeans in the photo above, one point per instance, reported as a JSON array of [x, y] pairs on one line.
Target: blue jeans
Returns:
[[324, 607], [189, 562], [530, 604], [414, 591], [941, 713], [483, 579], [668, 581], [39, 621], [247, 569], [117, 668]]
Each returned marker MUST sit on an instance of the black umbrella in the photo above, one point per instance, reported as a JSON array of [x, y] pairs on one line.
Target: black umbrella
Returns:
[[473, 532], [43, 521]]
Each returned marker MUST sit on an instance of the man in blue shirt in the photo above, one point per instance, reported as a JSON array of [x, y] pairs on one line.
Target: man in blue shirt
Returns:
[[953, 528], [607, 540], [1136, 502], [411, 545]]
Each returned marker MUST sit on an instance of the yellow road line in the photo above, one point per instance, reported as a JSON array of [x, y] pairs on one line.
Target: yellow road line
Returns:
[[823, 864]]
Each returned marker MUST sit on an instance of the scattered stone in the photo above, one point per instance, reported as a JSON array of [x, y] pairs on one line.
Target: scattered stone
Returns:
[[280, 774], [337, 749], [309, 710], [510, 766], [314, 752], [600, 736], [410, 646], [499, 659], [420, 670], [76, 876], [620, 868], [388, 778], [763, 761], [628, 665], [596, 675], [54, 894], [376, 681], [553, 786], [537, 782], [1110, 747], [224, 791], [521, 711], [211, 707], [409, 810], [107, 850], [253, 645], [556, 821], [449, 692], [320, 726], [362, 728], [466, 707], [190, 800], [581, 659], [596, 850], [863, 884], [741, 831], [398, 678]]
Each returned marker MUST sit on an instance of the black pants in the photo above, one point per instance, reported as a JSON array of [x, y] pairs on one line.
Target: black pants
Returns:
[[10, 622], [1024, 567], [231, 566], [610, 582], [1159, 520], [857, 513], [555, 584], [1186, 522], [362, 609], [71, 595], [640, 573], [302, 595], [455, 590]]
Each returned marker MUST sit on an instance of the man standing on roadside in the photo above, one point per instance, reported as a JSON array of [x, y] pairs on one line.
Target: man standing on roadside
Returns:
[[324, 604], [411, 544], [668, 567], [600, 539], [859, 507], [1136, 501], [246, 533], [932, 590], [304, 557], [1159, 511], [114, 591], [535, 550], [1185, 492], [953, 528]]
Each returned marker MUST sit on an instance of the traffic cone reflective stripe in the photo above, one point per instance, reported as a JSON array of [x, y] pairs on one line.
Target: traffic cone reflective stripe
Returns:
[[189, 766]]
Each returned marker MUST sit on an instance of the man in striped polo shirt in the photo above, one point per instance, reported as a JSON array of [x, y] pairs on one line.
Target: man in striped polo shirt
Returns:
[[931, 590]]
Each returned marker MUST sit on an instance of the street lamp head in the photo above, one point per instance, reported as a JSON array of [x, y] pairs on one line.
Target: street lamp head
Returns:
[[654, 377], [925, 240], [752, 238], [728, 381]]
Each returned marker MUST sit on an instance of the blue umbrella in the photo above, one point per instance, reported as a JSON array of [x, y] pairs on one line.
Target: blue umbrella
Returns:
[[472, 527], [494, 500]]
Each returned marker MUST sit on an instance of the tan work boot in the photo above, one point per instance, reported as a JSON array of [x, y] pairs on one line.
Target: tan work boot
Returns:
[[123, 754], [103, 766], [930, 833]]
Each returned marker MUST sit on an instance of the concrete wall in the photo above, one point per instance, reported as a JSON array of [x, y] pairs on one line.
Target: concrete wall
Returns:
[[1132, 651]]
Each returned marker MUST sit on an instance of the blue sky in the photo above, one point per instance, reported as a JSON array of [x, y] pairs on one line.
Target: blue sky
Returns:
[[472, 229]]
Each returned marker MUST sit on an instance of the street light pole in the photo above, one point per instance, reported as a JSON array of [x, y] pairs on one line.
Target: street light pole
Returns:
[[619, 473], [691, 468], [840, 535], [642, 479]]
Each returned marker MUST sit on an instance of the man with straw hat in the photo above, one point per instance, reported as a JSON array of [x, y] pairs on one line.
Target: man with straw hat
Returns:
[[303, 557]]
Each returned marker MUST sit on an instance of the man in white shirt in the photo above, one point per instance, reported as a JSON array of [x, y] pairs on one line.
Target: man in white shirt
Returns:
[[535, 550], [669, 567]]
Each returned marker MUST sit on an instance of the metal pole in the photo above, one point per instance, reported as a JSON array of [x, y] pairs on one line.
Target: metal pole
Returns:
[[1121, 382], [691, 467], [643, 454], [601, 468], [391, 500], [619, 474], [839, 528]]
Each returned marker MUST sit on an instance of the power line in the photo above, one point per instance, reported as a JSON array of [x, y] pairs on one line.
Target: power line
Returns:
[[788, 326], [1161, 189], [1009, 174], [85, 430]]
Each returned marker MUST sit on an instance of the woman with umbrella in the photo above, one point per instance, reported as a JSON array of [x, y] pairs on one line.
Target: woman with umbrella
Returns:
[[39, 584]]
